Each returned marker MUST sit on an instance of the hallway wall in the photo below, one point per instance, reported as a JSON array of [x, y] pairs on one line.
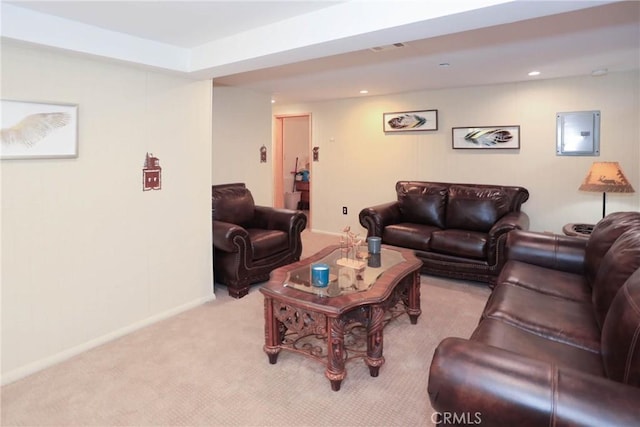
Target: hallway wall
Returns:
[[241, 125]]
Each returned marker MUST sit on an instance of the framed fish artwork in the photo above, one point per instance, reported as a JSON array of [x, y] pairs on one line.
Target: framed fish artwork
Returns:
[[486, 137], [36, 130], [408, 121]]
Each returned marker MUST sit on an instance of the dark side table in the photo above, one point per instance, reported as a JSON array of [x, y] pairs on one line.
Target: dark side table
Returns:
[[303, 188]]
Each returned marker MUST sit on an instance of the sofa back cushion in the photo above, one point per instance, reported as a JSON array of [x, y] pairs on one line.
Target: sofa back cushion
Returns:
[[620, 261], [476, 208], [422, 203], [233, 204], [620, 341], [602, 237]]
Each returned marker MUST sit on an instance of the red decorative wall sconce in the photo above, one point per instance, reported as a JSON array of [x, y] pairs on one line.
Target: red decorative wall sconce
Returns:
[[151, 173]]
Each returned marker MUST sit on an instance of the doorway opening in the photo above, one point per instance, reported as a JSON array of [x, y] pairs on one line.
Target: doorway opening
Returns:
[[292, 163]]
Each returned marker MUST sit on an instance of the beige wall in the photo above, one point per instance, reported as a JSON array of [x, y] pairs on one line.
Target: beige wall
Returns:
[[86, 254], [241, 125], [359, 164]]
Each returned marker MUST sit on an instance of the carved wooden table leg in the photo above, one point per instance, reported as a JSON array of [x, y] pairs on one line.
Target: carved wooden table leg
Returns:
[[375, 340], [414, 298], [335, 353], [272, 336]]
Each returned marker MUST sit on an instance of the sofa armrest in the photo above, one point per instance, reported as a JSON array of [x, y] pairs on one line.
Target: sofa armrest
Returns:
[[502, 388], [553, 251], [287, 220], [376, 218], [224, 234], [511, 221], [497, 233]]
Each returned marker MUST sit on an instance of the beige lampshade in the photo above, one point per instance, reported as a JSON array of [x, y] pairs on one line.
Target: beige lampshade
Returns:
[[606, 177]]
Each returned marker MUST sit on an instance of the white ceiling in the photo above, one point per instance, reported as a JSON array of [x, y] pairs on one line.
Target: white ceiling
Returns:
[[318, 50], [180, 23]]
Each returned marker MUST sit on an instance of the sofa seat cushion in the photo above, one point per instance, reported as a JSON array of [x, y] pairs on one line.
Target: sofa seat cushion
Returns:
[[408, 235], [559, 319], [508, 337], [423, 203], [476, 208], [557, 283], [462, 243], [267, 242]]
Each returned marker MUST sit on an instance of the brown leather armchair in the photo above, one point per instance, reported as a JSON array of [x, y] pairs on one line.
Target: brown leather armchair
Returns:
[[250, 241]]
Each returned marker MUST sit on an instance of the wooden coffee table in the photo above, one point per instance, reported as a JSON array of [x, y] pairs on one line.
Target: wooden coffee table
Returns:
[[314, 321]]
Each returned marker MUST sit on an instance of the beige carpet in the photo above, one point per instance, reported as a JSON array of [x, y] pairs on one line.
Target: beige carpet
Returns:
[[206, 367]]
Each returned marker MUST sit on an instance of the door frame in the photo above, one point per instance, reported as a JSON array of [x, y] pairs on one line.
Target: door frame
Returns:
[[278, 163]]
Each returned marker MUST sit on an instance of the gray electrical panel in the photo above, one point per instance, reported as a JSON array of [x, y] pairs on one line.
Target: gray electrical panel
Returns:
[[578, 133]]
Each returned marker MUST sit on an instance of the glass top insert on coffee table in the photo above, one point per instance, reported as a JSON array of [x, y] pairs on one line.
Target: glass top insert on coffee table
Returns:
[[342, 279]]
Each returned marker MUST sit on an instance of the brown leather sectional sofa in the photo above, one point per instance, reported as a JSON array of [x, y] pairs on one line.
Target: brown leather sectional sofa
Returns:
[[558, 343], [457, 230]]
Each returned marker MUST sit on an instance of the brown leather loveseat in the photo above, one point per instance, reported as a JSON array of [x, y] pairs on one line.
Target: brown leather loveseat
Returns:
[[457, 230], [558, 343], [250, 241]]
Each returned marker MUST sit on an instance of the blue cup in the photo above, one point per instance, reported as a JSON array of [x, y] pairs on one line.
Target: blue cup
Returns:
[[320, 275], [375, 261], [374, 243]]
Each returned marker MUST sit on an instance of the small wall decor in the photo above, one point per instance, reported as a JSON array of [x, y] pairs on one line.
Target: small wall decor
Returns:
[[263, 154], [32, 130], [151, 173], [407, 121], [486, 137], [578, 133], [316, 154]]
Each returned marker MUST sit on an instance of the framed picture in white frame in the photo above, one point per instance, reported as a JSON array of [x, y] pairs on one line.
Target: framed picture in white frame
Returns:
[[486, 137], [38, 130], [410, 121]]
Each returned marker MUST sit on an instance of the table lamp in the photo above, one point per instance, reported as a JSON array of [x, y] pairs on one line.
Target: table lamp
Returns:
[[606, 177]]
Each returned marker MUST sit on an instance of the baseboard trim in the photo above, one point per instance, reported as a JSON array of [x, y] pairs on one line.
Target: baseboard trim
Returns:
[[328, 233], [49, 361]]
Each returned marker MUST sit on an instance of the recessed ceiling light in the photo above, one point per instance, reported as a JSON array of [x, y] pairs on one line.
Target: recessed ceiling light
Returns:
[[388, 47], [599, 72], [364, 91], [534, 73], [273, 101], [444, 64]]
